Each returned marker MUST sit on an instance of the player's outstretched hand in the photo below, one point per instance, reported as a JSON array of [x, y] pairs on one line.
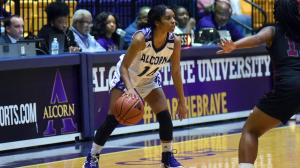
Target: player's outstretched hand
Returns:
[[227, 46], [182, 110]]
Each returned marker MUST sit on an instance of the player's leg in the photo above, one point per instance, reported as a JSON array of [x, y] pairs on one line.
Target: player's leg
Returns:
[[256, 125], [158, 103], [103, 132]]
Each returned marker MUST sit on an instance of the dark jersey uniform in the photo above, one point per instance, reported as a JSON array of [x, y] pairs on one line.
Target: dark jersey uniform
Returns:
[[282, 102]]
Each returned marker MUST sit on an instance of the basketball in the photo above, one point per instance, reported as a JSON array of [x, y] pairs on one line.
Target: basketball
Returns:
[[127, 110]]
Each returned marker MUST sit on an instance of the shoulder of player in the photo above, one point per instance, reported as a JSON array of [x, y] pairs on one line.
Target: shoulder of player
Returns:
[[139, 39]]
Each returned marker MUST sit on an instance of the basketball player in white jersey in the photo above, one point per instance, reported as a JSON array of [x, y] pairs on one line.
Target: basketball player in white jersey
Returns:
[[137, 74]]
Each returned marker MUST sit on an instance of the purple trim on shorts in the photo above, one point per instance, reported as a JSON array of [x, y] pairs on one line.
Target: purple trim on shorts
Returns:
[[120, 85], [157, 80]]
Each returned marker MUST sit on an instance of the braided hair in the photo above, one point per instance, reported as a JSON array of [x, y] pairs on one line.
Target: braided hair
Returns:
[[287, 16]]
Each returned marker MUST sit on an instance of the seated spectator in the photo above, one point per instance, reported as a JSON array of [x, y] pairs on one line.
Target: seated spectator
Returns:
[[141, 19], [220, 20], [82, 23], [57, 16], [13, 29], [204, 7], [104, 31], [185, 24]]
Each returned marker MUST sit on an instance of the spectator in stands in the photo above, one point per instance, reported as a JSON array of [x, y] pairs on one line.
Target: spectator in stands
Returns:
[[204, 7], [82, 23], [185, 24], [141, 19], [13, 29], [104, 31], [57, 16], [220, 20]]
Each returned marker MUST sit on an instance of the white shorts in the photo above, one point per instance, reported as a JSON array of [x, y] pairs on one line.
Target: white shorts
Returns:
[[144, 87]]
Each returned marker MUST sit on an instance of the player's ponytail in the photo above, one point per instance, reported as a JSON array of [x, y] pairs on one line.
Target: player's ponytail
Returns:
[[155, 15]]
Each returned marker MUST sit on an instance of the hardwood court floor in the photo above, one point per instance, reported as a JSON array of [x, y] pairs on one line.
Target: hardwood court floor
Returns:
[[279, 148]]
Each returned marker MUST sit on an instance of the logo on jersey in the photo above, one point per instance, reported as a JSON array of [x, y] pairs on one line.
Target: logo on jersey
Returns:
[[154, 60], [148, 45]]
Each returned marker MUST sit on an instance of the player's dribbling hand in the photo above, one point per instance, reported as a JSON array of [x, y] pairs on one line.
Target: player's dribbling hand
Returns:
[[182, 110], [227, 46], [133, 94]]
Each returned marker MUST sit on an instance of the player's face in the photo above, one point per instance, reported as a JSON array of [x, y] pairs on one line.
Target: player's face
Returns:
[[167, 22]]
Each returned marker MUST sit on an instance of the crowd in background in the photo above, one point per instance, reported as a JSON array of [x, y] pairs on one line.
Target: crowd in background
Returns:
[[103, 32]]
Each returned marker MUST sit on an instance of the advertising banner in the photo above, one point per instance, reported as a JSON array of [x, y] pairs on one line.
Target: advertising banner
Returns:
[[36, 103], [213, 86]]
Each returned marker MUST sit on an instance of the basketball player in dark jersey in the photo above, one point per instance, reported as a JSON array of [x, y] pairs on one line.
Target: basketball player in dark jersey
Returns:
[[280, 104], [137, 74]]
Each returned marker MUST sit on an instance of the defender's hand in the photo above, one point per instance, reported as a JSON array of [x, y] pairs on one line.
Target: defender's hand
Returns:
[[227, 46]]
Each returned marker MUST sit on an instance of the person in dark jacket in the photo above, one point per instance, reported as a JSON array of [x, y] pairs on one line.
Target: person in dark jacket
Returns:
[[57, 16], [13, 29]]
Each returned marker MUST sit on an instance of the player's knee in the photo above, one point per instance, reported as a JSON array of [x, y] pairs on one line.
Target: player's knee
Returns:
[[166, 125], [252, 131]]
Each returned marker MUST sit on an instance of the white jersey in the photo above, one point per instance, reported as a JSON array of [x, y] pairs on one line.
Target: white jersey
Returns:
[[149, 61], [144, 70]]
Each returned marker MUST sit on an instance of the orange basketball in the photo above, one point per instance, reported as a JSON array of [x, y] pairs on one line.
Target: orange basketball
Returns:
[[128, 111]]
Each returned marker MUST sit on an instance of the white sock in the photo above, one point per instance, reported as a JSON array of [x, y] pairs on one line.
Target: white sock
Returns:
[[246, 165], [166, 146], [96, 149]]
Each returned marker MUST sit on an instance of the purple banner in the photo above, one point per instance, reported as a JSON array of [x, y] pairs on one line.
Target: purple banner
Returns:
[[219, 85], [37, 103]]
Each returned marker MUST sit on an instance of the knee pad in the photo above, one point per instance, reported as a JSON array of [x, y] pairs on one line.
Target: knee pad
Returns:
[[104, 131], [165, 125]]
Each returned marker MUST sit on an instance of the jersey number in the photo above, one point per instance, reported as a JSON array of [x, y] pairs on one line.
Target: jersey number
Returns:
[[146, 71], [292, 52]]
